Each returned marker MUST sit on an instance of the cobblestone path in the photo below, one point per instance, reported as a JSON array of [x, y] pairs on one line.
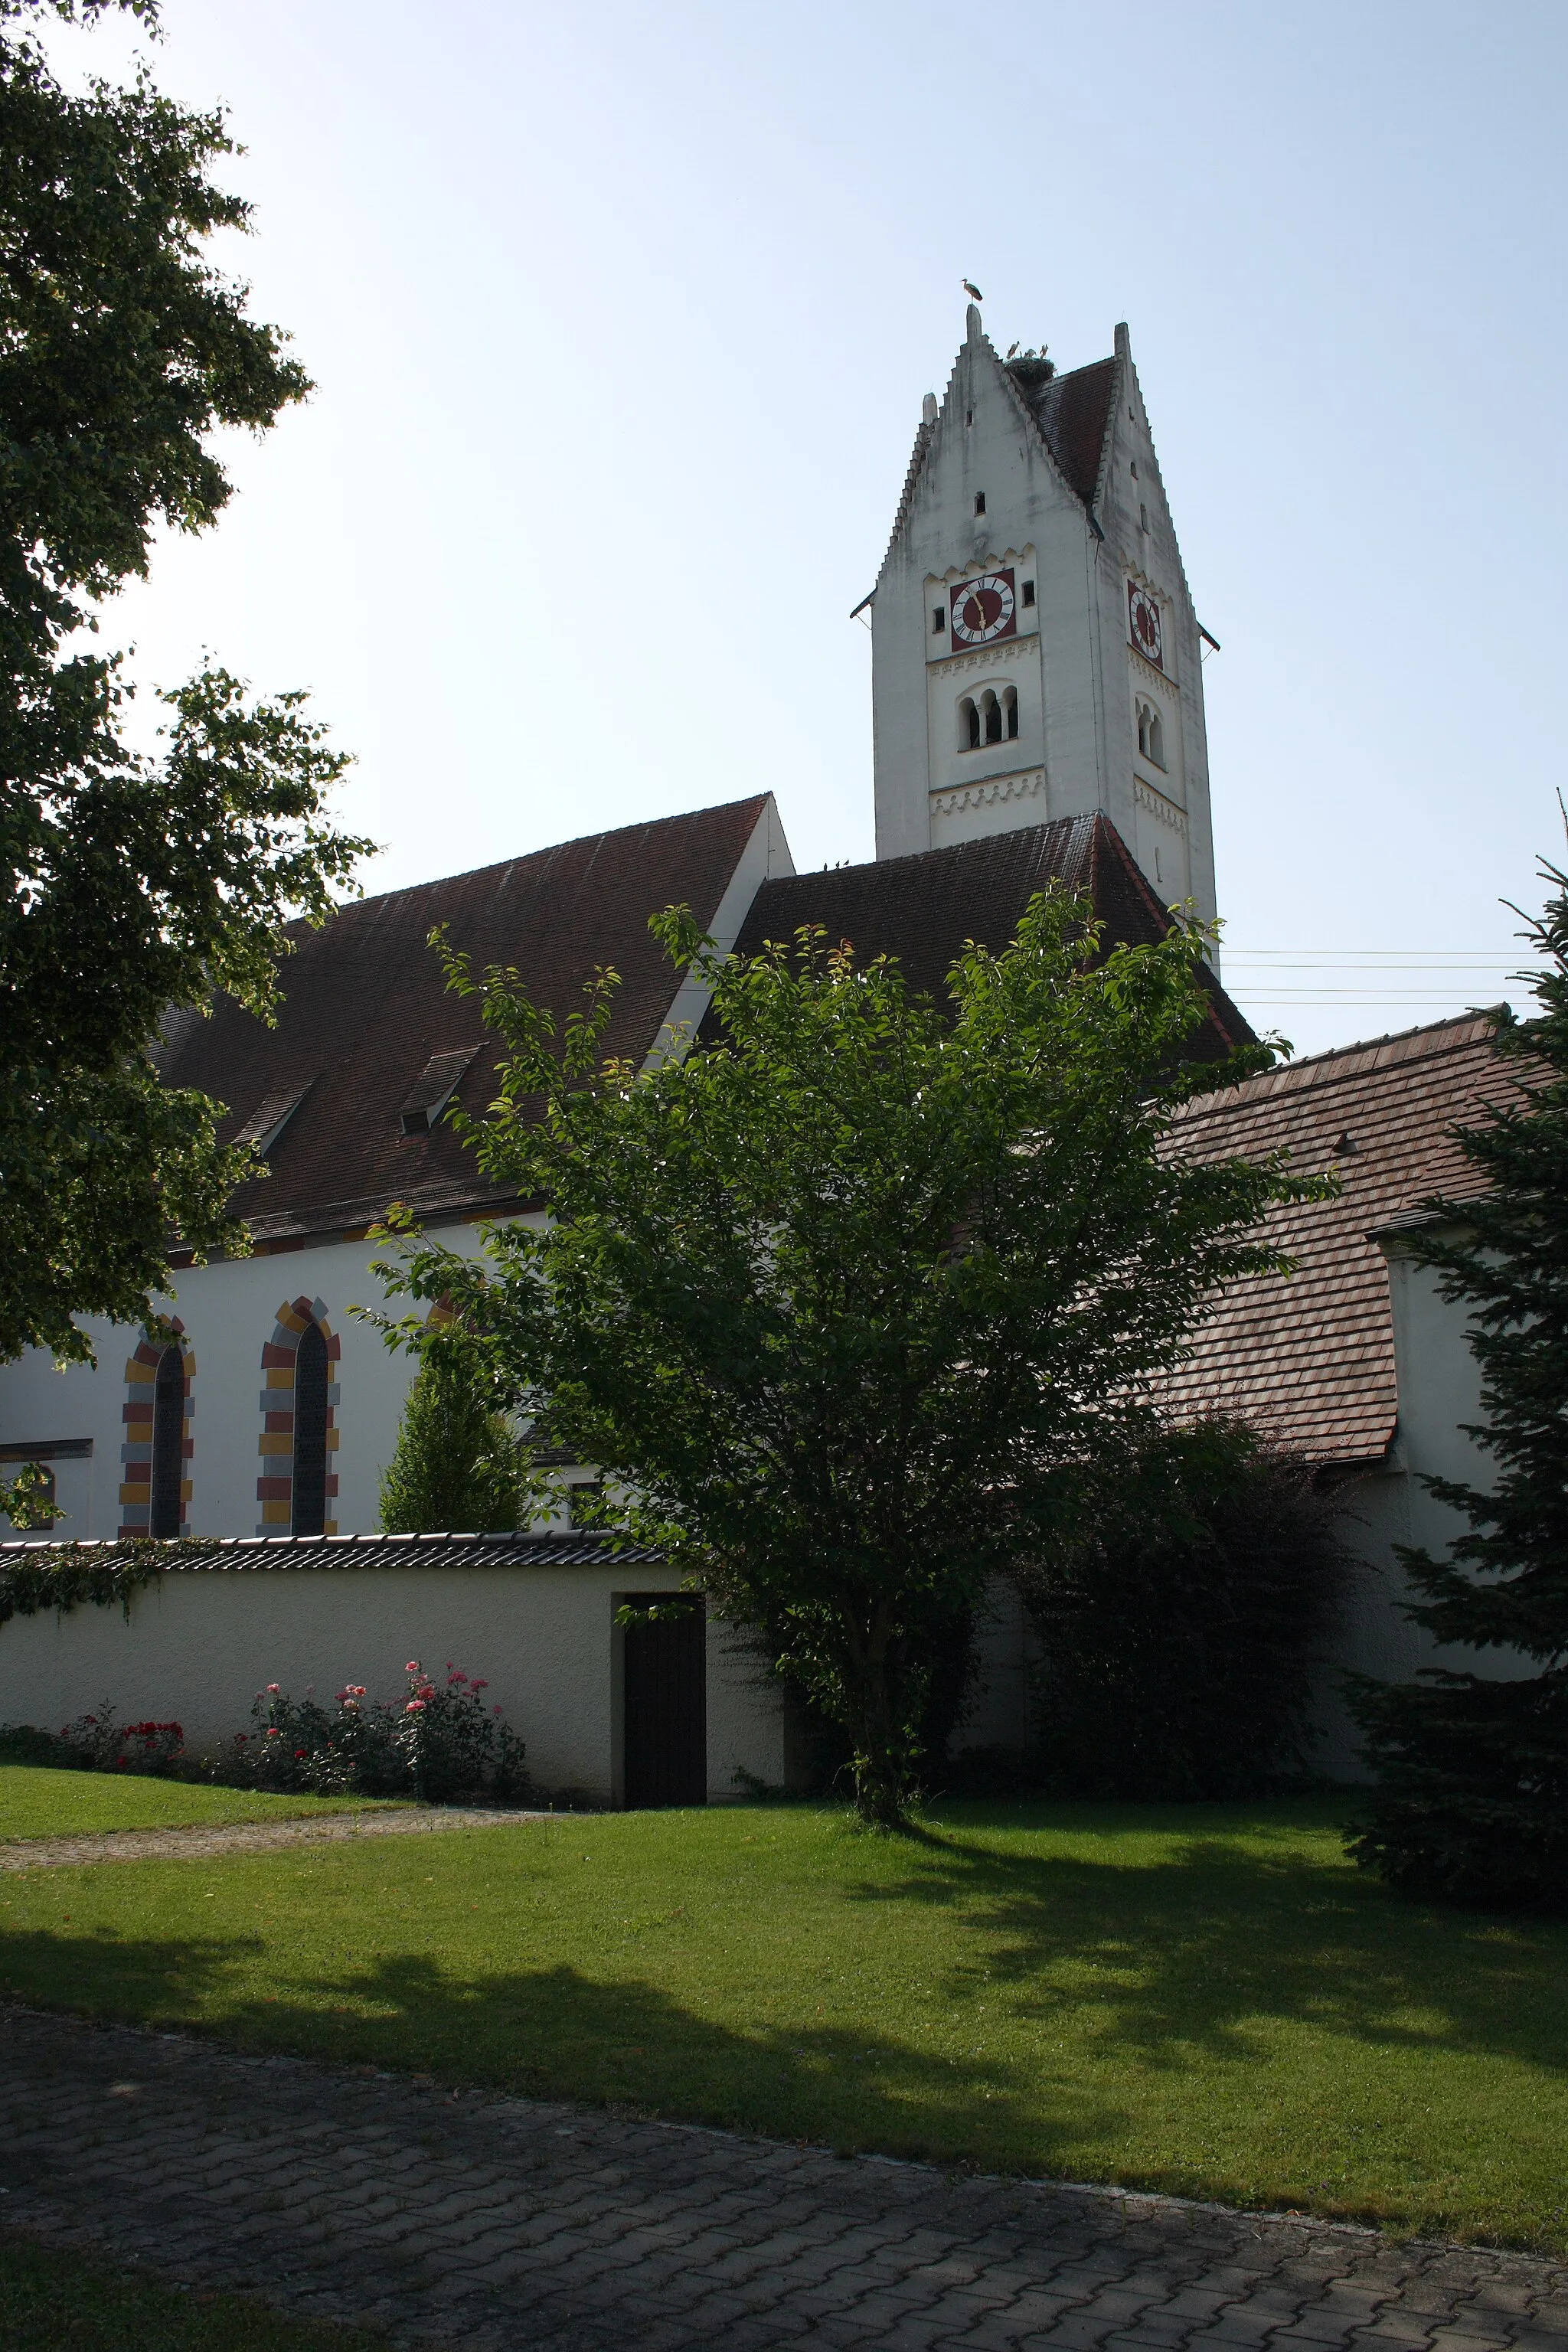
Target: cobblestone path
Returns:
[[492, 2223]]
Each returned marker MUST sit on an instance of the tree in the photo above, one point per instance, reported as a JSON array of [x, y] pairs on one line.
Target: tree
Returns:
[[456, 1464], [1181, 1611], [134, 885], [833, 1298], [1473, 1795]]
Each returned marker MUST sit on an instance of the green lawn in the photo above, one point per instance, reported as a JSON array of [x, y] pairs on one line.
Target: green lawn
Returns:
[[1206, 1999], [37, 1802], [50, 2299]]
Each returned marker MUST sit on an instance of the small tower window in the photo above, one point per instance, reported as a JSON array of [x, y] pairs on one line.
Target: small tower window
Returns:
[[968, 725], [991, 716], [1028, 592], [938, 621], [1010, 711], [979, 503]]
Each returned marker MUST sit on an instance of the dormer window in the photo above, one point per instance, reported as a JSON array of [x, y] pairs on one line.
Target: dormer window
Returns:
[[271, 1116], [432, 1091]]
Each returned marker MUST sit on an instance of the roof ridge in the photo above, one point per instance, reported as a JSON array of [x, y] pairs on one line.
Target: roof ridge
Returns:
[[547, 849], [1476, 1023]]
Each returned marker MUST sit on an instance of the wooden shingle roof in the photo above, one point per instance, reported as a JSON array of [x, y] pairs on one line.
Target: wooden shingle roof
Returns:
[[1308, 1358]]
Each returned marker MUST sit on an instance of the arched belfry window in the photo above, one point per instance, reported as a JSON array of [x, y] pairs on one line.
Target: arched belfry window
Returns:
[[166, 1503], [311, 1380]]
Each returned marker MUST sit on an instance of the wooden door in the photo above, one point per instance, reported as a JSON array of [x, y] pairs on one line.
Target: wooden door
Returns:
[[666, 1684]]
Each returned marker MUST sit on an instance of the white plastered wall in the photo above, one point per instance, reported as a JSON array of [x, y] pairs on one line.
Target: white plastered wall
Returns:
[[228, 1310], [1438, 1387], [200, 1644]]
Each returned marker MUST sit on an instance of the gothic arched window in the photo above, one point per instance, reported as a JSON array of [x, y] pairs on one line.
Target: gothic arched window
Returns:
[[991, 715], [1010, 711], [167, 1501], [310, 1513], [968, 725]]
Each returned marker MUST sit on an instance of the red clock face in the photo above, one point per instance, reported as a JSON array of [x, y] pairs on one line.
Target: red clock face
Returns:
[[984, 610], [1143, 620]]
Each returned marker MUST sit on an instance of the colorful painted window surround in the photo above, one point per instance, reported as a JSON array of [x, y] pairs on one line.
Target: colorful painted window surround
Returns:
[[298, 1486], [157, 1455]]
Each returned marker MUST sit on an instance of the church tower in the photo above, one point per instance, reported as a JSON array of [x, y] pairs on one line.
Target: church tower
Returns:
[[1034, 650]]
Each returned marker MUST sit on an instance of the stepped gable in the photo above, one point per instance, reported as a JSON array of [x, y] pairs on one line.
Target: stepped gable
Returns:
[[1308, 1358], [922, 909], [368, 1035]]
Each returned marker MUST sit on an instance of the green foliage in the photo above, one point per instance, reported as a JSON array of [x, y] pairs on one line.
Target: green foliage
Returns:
[[1182, 1614], [131, 886], [59, 1576], [837, 1301], [457, 1465], [1474, 1770], [29, 1502]]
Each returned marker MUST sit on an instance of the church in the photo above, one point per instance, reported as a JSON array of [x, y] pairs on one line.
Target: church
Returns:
[[1038, 715]]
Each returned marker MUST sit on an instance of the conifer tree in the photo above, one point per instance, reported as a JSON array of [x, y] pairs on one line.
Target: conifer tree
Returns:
[[457, 1464], [1474, 1768]]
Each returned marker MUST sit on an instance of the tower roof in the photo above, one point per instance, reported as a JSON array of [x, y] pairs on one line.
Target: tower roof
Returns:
[[1073, 414]]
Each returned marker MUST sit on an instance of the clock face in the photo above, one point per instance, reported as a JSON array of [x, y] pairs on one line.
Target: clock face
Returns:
[[983, 609], [1144, 619]]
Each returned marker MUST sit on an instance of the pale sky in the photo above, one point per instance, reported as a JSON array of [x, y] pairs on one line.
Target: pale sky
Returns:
[[621, 317]]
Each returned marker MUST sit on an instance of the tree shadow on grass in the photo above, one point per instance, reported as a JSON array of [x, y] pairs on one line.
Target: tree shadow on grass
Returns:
[[554, 2032], [1193, 1955]]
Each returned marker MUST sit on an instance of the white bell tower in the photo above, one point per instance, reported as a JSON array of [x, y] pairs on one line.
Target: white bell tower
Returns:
[[1034, 650]]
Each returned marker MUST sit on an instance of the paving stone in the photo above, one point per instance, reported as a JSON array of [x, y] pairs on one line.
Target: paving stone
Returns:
[[489, 2223]]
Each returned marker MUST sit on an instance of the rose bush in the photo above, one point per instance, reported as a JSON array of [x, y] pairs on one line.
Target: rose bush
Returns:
[[440, 1742]]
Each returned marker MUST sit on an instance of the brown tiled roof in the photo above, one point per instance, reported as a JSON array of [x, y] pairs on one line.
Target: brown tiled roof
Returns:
[[1308, 1358], [922, 909], [365, 1011], [1072, 412]]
